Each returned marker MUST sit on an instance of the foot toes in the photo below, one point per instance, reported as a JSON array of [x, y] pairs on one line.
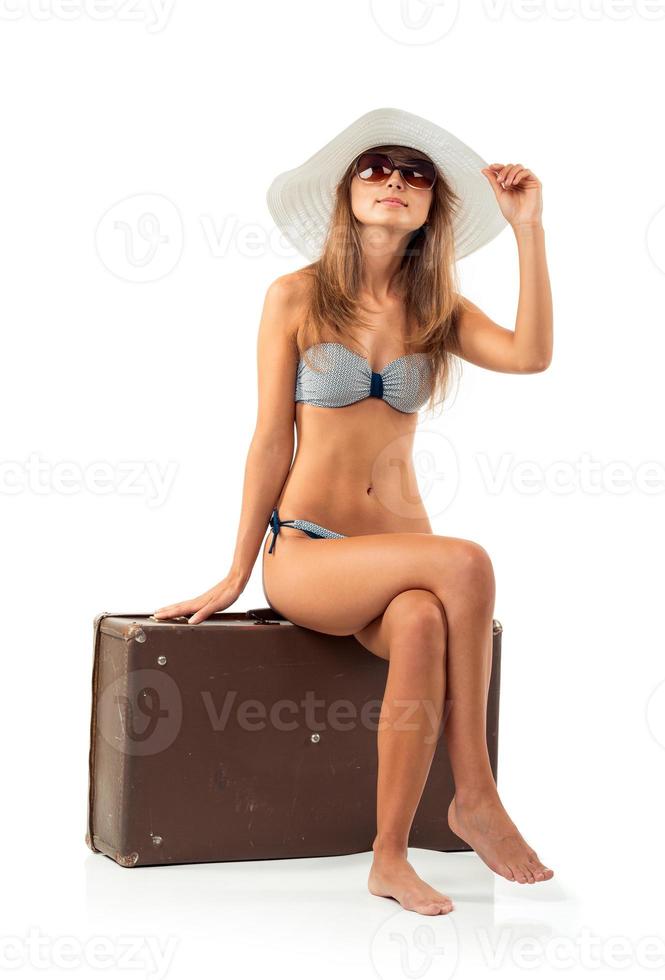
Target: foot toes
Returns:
[[538, 869], [436, 906]]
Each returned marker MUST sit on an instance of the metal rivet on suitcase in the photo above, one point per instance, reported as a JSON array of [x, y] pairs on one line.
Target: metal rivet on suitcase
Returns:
[[157, 840], [315, 737], [161, 660]]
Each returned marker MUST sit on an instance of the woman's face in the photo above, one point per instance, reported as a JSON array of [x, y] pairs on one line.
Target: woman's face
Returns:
[[368, 198]]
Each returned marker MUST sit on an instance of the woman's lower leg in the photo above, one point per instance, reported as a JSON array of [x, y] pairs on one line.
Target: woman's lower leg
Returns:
[[410, 722], [469, 670], [409, 728], [476, 813]]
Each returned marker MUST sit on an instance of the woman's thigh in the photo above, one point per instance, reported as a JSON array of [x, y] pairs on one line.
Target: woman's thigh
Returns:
[[340, 586]]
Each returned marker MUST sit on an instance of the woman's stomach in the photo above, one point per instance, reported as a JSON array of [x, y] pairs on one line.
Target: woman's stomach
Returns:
[[355, 475]]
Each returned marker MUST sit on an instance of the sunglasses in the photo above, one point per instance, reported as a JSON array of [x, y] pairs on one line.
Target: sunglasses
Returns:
[[377, 167]]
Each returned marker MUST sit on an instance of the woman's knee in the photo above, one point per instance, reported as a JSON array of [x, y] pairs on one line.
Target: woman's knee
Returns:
[[473, 572], [417, 617]]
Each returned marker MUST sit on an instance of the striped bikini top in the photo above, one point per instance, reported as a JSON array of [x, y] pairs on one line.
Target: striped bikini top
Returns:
[[340, 376]]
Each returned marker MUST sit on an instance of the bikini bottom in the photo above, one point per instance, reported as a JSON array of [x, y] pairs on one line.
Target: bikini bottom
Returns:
[[311, 529]]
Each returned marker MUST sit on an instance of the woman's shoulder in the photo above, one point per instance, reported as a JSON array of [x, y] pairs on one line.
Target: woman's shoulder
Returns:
[[288, 298], [293, 287]]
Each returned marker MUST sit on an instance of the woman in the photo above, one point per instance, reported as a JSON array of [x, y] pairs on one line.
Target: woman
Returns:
[[365, 336]]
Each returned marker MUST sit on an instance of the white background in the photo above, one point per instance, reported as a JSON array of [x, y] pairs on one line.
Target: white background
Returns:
[[116, 352]]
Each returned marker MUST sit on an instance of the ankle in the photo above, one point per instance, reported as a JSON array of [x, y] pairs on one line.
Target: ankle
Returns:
[[385, 845], [476, 794]]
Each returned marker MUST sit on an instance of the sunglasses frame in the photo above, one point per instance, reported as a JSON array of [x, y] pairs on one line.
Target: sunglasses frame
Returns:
[[394, 168]]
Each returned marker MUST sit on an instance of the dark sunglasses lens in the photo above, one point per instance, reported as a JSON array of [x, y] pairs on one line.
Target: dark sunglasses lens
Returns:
[[376, 167], [373, 166], [419, 173]]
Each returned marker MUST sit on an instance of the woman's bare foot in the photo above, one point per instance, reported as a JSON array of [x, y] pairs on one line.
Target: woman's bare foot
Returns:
[[391, 876], [483, 823]]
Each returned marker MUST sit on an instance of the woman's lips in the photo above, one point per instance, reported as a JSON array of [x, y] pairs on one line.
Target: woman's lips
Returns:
[[392, 204]]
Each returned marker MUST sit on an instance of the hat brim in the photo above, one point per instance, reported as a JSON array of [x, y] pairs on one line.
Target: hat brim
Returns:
[[301, 200]]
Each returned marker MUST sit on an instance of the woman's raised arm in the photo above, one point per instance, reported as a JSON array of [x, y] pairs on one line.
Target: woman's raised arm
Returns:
[[527, 348]]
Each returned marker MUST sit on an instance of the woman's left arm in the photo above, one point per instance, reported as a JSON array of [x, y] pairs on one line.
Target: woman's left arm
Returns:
[[527, 348]]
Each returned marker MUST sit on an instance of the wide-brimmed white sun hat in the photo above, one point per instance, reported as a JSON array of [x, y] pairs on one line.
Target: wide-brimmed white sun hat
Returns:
[[301, 200]]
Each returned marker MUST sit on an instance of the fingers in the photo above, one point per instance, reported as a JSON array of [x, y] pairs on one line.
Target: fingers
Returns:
[[505, 173], [491, 176], [181, 608], [204, 605], [193, 610], [204, 612], [509, 174], [171, 612], [515, 176]]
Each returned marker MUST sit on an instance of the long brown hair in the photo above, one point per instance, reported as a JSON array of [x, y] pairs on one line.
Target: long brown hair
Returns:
[[426, 279]]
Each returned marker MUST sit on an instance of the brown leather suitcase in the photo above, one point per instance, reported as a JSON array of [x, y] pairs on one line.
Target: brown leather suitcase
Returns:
[[244, 737]]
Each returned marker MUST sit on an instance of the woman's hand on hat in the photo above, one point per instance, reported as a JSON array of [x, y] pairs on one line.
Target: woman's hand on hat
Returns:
[[518, 192]]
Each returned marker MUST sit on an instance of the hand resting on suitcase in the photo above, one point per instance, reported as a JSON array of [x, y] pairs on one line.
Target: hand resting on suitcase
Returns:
[[214, 600]]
